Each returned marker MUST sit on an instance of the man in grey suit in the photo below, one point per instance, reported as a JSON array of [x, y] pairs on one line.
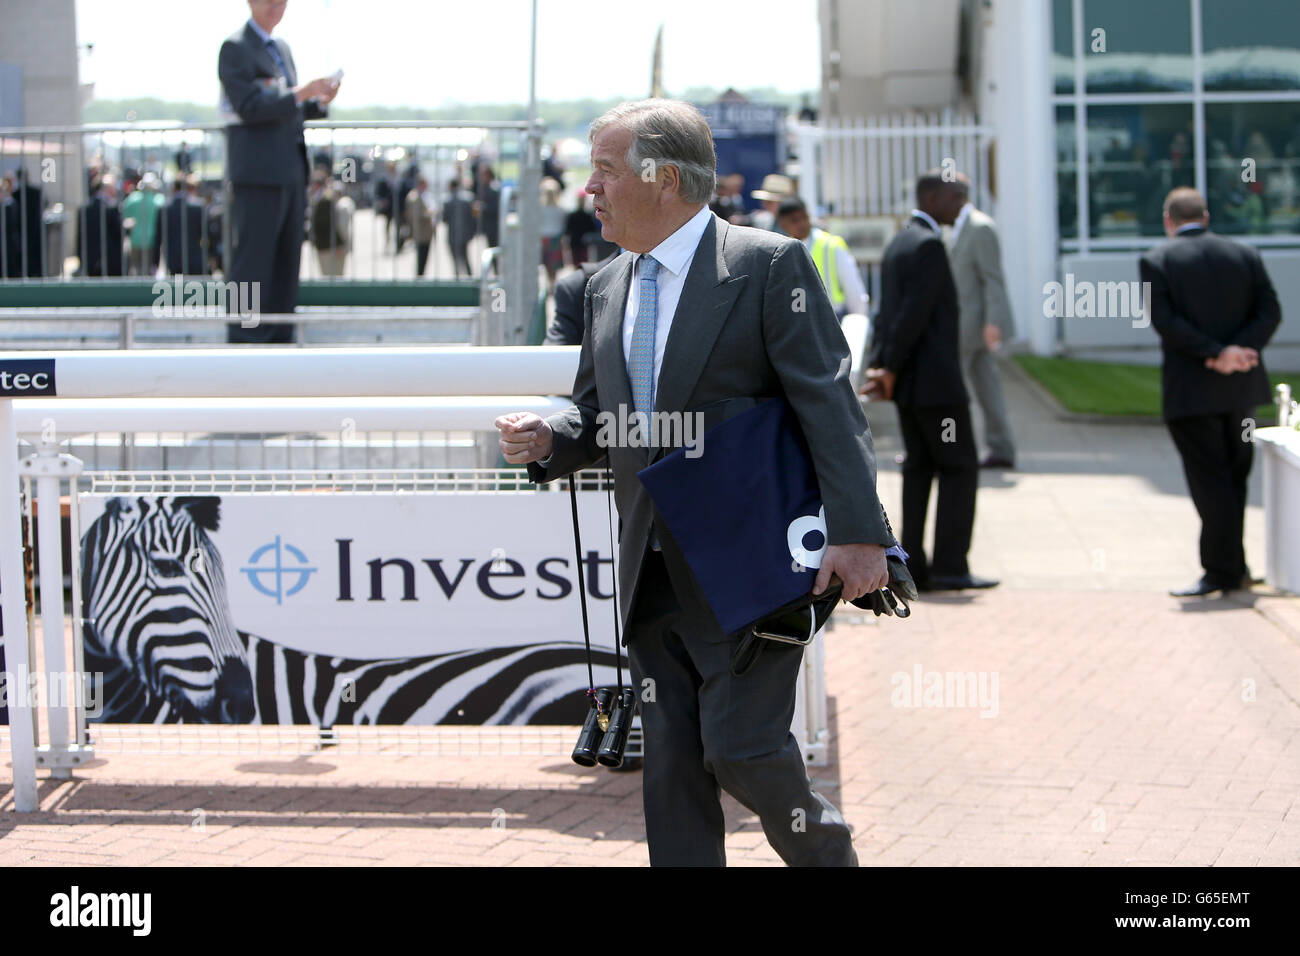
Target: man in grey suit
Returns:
[[985, 320], [694, 316], [266, 163]]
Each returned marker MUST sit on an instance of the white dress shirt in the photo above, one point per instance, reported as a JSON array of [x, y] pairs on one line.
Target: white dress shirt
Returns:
[[674, 255]]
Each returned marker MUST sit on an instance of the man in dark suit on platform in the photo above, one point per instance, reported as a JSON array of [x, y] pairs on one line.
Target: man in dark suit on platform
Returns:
[[1215, 309], [99, 230], [914, 361], [180, 238], [21, 217], [266, 163], [693, 314]]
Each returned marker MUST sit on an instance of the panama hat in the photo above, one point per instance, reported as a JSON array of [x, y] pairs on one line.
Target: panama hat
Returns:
[[775, 188]]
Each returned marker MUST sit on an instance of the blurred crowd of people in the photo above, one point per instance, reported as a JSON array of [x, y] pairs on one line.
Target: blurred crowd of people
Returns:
[[133, 222]]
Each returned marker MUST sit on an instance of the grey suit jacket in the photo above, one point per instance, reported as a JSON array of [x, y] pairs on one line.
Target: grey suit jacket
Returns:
[[735, 337], [976, 259], [268, 148]]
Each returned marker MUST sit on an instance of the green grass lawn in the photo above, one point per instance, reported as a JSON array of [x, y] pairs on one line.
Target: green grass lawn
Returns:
[[1110, 388]]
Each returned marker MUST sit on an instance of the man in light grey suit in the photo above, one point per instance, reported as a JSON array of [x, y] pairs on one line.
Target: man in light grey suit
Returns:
[[697, 315], [976, 257]]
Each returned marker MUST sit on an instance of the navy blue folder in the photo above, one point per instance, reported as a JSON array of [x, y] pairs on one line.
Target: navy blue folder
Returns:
[[746, 512]]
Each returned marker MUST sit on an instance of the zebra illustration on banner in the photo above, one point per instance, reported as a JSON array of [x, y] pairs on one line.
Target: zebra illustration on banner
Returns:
[[158, 626], [157, 621]]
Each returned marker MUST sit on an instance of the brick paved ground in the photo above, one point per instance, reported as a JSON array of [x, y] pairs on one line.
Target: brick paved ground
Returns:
[[1126, 727]]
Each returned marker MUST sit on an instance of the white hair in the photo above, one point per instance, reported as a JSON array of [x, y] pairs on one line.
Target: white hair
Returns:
[[668, 133]]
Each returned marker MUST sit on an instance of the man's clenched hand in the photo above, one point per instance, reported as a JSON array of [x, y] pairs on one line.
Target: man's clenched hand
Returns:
[[524, 437]]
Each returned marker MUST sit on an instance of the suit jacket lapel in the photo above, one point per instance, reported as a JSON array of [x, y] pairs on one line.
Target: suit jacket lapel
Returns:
[[705, 303], [608, 307], [959, 244]]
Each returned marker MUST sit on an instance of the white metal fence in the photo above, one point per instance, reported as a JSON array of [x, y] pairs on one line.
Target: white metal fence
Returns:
[[869, 166], [866, 169]]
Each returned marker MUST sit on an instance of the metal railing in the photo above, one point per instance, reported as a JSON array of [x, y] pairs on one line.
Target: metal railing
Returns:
[[366, 217], [73, 327]]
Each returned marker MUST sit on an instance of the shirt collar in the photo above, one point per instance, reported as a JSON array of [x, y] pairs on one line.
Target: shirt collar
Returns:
[[926, 217], [266, 37], [1187, 227], [675, 251], [812, 236]]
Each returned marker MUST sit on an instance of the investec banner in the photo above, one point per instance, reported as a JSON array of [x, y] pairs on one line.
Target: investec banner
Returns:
[[462, 597]]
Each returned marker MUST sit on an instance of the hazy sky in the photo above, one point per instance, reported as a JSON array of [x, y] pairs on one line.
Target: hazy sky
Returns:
[[427, 52]]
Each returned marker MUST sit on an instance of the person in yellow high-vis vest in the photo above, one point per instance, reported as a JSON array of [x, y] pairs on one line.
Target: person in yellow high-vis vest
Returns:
[[830, 254]]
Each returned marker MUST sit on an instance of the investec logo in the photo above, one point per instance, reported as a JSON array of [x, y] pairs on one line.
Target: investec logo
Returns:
[[280, 570], [22, 378], [210, 298]]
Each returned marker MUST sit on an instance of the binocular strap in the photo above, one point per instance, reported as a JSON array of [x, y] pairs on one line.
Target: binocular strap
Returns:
[[582, 587]]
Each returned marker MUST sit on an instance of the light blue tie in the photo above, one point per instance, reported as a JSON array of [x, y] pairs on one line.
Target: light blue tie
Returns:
[[641, 357], [274, 50]]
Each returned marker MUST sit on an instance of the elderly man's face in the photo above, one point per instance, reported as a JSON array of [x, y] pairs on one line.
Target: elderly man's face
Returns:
[[626, 205], [267, 14]]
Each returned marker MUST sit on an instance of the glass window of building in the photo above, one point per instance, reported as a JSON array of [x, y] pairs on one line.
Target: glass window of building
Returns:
[[1062, 46], [1157, 112], [1250, 45], [1136, 154], [1067, 168], [1137, 47], [1252, 167]]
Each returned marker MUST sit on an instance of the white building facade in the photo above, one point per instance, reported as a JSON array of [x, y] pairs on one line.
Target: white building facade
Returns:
[[1096, 109]]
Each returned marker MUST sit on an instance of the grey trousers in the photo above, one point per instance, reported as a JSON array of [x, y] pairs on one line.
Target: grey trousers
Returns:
[[706, 730], [981, 371]]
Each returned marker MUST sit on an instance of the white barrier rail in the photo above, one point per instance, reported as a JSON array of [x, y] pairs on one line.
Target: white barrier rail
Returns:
[[237, 374], [81, 416], [66, 328], [284, 373]]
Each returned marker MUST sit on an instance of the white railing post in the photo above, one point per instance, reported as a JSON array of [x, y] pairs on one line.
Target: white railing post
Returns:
[[810, 158], [49, 468], [13, 615], [809, 723]]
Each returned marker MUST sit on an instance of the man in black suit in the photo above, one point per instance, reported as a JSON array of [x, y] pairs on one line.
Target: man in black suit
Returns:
[[21, 221], [914, 359], [488, 193], [566, 324], [458, 214], [180, 239], [99, 230], [266, 163], [1215, 309]]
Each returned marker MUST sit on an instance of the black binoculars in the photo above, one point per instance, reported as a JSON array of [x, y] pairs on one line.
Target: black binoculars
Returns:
[[603, 738]]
